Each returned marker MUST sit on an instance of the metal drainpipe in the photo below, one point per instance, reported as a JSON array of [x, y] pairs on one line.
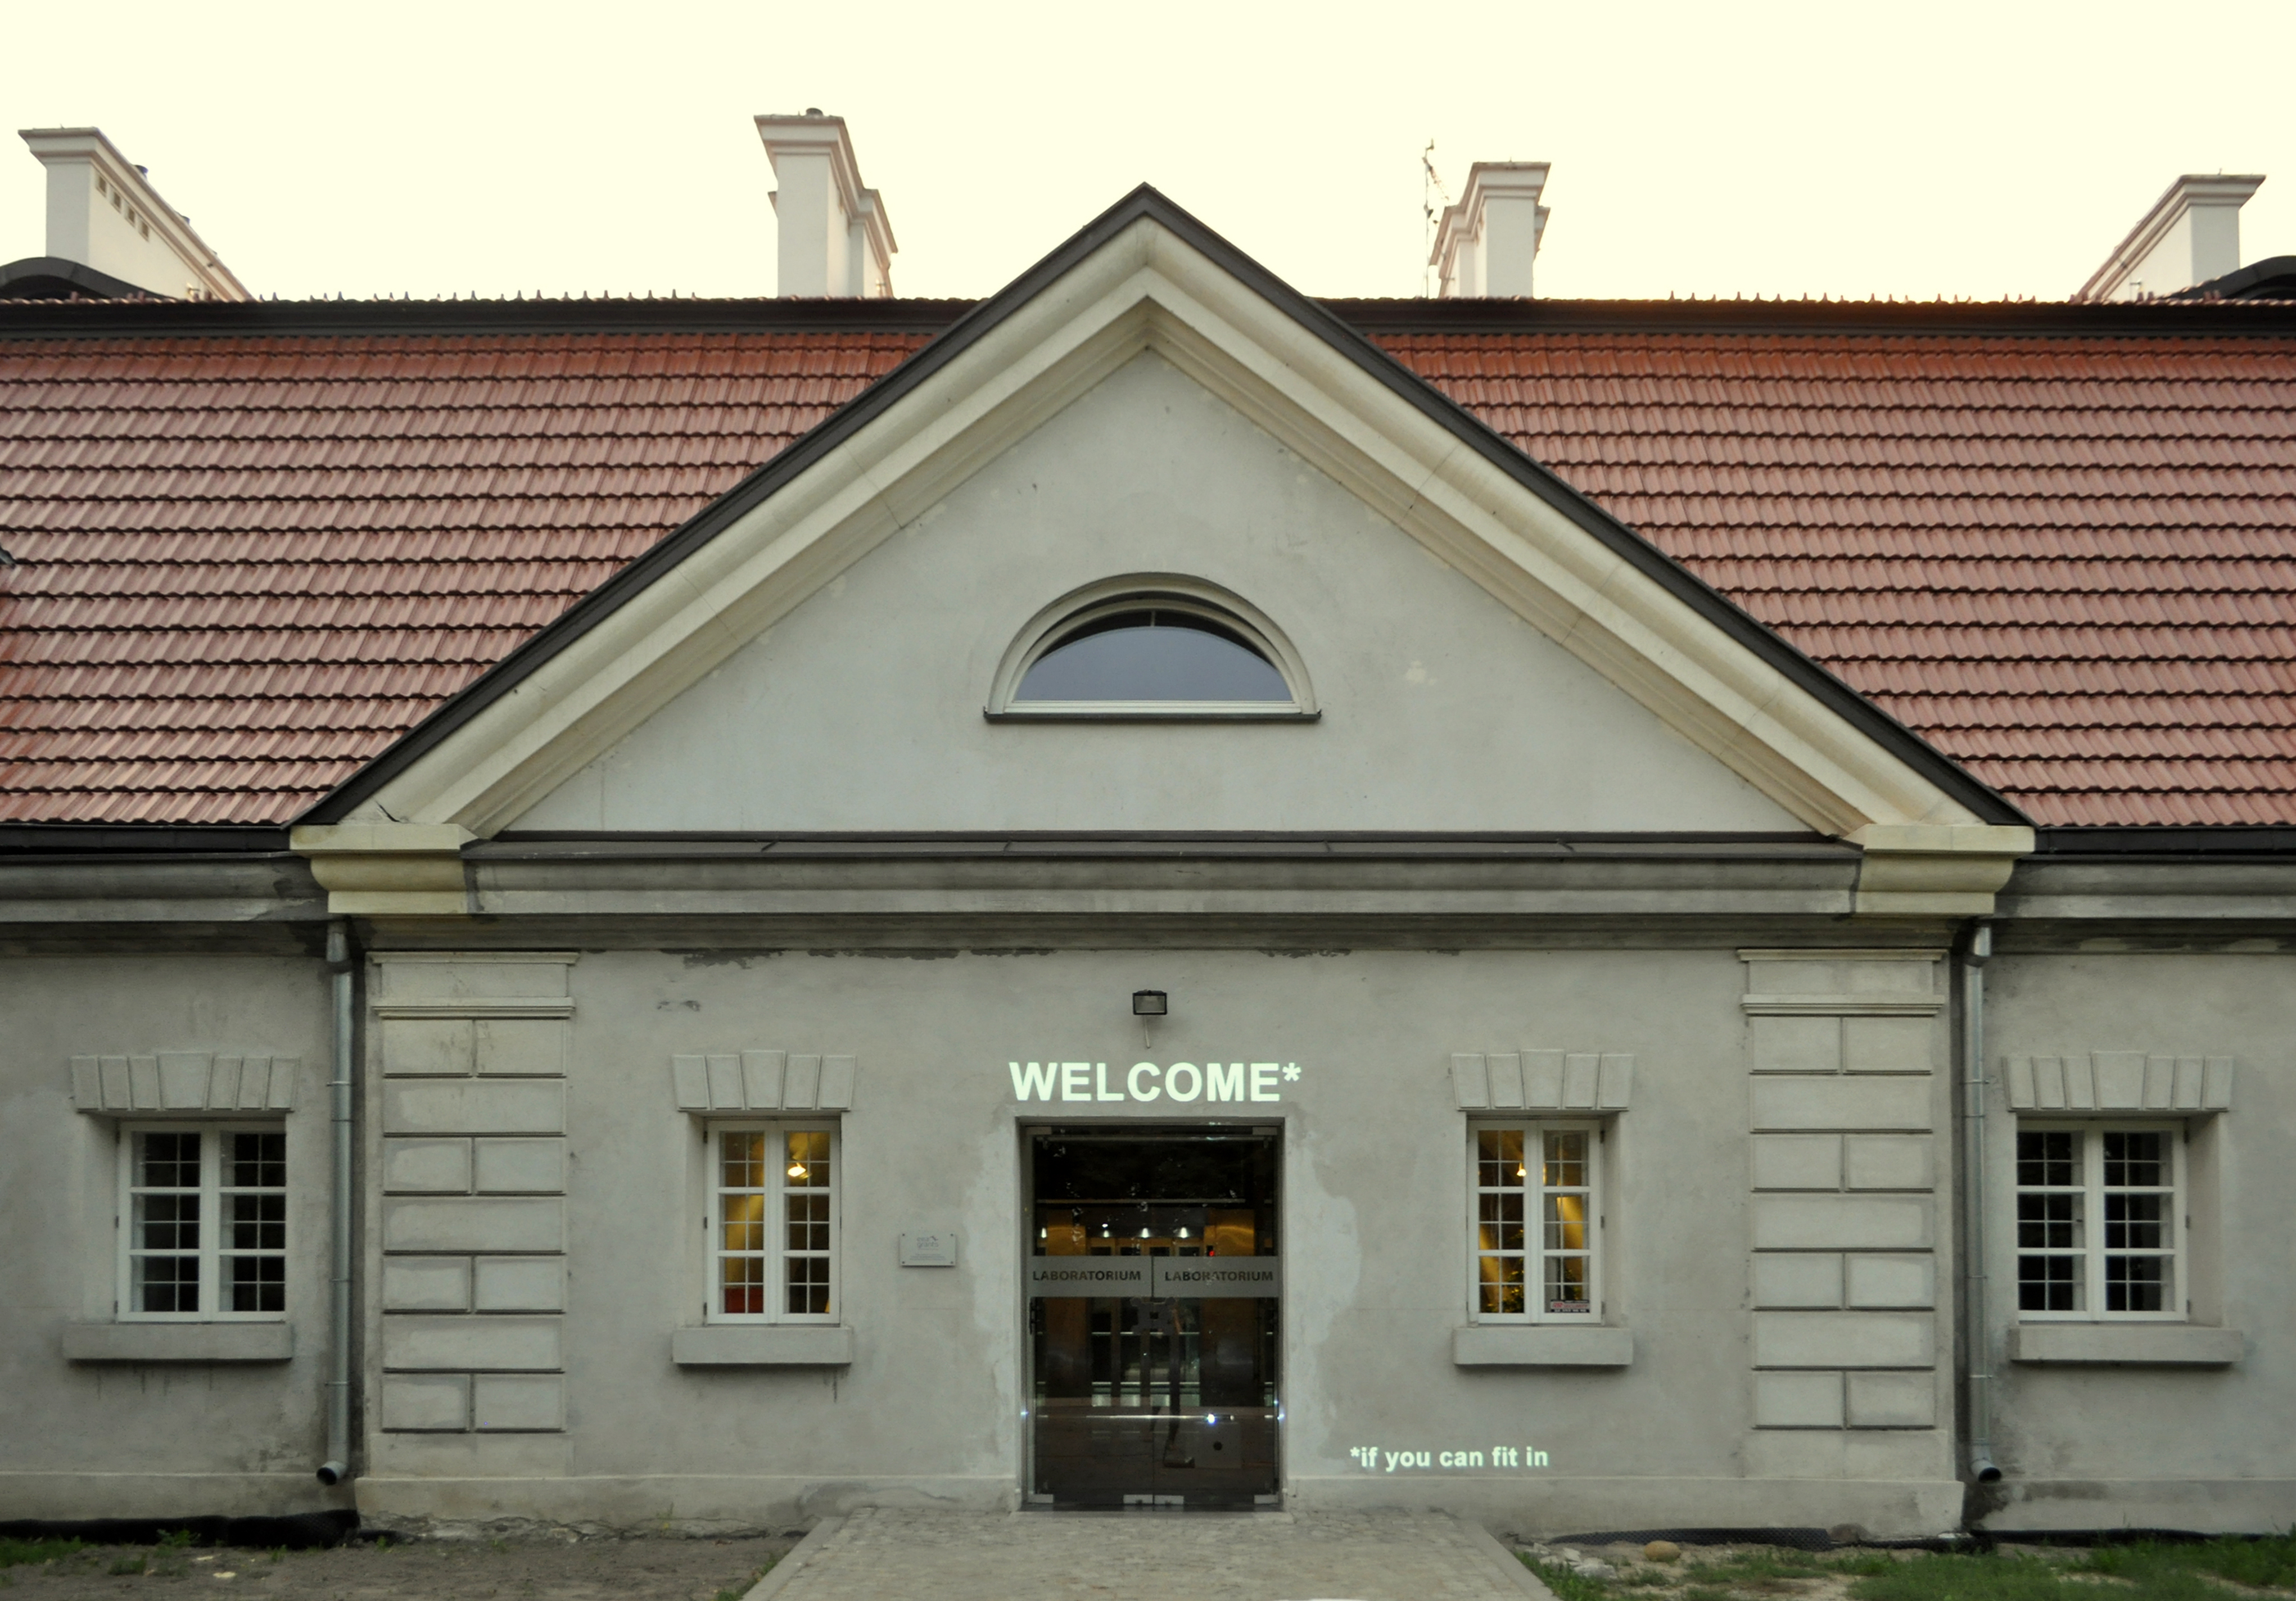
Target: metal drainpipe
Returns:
[[336, 1469], [1977, 1329]]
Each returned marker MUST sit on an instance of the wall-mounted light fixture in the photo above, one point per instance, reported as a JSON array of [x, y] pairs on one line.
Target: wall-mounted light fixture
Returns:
[[1147, 1004]]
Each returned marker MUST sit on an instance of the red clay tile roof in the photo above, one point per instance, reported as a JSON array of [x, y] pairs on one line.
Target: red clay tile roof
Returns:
[[2068, 563], [248, 563]]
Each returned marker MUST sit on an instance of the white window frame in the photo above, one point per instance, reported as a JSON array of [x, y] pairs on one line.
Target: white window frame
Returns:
[[1534, 1131], [210, 1250], [776, 1191], [2092, 1249]]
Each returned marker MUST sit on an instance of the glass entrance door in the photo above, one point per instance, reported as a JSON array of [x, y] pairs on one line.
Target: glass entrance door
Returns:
[[1155, 1280]]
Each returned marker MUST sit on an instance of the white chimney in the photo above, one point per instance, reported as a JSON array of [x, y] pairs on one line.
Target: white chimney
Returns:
[[1485, 245], [835, 237], [103, 213], [2191, 235]]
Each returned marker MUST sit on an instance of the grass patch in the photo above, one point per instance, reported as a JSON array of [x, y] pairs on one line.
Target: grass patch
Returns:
[[16, 1553], [2257, 1564], [2126, 1573], [2198, 1571]]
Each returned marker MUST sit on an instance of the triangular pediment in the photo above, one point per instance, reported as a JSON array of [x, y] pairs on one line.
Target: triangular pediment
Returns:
[[1146, 296]]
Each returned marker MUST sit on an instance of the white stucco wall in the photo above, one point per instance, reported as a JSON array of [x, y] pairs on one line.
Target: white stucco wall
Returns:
[[2162, 1447], [862, 709], [170, 1438]]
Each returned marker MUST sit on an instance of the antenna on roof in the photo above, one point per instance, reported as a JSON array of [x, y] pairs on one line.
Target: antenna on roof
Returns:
[[1431, 188]]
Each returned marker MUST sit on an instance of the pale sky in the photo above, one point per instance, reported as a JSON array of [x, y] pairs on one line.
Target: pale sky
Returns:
[[1922, 150]]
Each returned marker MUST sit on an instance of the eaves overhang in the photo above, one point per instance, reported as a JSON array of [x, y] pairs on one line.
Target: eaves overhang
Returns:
[[1978, 799]]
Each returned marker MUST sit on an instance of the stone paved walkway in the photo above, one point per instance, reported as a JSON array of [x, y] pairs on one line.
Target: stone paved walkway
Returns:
[[894, 1556]]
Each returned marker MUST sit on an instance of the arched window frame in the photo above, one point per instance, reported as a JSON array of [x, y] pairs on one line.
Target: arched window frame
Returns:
[[1164, 592]]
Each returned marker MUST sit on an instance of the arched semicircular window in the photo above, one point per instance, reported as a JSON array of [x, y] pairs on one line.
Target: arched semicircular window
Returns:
[[1125, 651]]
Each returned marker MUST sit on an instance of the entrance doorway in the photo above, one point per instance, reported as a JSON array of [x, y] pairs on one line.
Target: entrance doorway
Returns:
[[1154, 1275]]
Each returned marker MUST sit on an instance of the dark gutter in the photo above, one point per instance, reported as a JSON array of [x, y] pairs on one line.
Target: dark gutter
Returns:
[[968, 330], [1995, 319], [78, 839], [123, 309], [2250, 842]]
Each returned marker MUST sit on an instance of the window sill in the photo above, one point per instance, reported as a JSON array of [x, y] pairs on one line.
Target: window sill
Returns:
[[2133, 1344], [763, 1345], [179, 1342], [1542, 1345]]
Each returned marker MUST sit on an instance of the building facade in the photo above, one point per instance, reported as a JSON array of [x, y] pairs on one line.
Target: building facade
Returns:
[[1115, 897]]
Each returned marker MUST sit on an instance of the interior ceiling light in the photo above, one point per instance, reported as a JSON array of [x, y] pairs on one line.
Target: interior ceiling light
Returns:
[[796, 1169]]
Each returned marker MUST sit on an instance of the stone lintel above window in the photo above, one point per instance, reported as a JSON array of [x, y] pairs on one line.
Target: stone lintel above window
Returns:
[[779, 1081], [183, 1083], [2119, 1084], [1555, 1081]]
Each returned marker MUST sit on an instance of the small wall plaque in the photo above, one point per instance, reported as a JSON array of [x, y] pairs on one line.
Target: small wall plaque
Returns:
[[929, 1248]]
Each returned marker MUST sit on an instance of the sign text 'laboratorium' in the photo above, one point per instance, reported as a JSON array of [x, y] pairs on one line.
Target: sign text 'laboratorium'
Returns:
[[1148, 1081]]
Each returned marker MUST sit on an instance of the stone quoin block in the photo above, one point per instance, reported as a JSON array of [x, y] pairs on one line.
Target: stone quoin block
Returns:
[[426, 1166], [474, 981], [1840, 1222], [429, 1401], [1797, 1161], [474, 1106], [1872, 1162], [520, 1166], [1887, 1044], [518, 1401], [534, 1046], [522, 1224], [1886, 1103], [1796, 1045], [426, 1284], [1893, 1400], [1797, 1400], [1843, 1340], [417, 1341], [427, 1047], [1797, 1279], [1892, 1281], [521, 1283]]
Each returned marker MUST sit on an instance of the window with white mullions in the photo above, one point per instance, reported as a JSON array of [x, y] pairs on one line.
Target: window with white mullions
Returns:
[[204, 1222], [2098, 1222], [1535, 1223], [775, 1224]]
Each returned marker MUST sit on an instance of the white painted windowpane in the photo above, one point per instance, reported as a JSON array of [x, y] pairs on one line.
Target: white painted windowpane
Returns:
[[1535, 1226], [774, 1248], [2097, 1223], [204, 1223]]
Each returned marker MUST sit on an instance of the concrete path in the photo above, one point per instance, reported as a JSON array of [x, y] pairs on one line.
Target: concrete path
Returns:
[[891, 1556]]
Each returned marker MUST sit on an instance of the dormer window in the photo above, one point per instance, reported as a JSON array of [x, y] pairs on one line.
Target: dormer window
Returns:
[[1153, 649]]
